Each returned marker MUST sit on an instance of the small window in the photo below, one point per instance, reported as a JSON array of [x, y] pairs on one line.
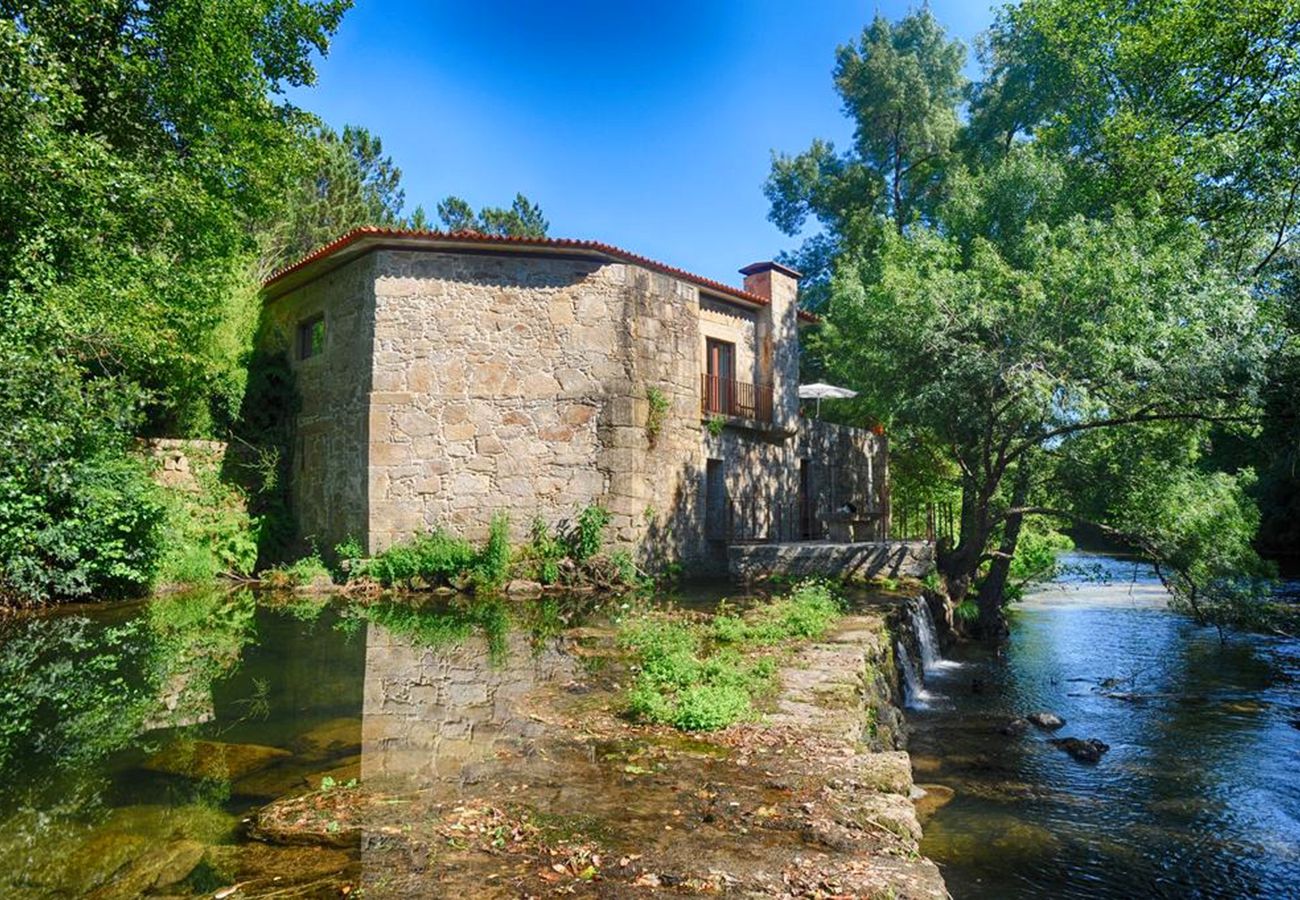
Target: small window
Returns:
[[311, 337]]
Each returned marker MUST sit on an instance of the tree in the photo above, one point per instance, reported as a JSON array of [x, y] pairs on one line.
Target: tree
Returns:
[[1190, 105], [1065, 280], [1017, 326], [350, 182], [1186, 109], [141, 147], [522, 219], [900, 84]]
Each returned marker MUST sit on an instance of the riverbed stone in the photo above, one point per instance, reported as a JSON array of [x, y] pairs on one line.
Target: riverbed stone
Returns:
[[932, 798], [346, 771], [1016, 726], [330, 738], [1089, 750], [1048, 721], [213, 759]]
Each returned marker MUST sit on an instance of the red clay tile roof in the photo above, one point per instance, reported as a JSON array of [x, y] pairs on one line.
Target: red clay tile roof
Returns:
[[473, 237]]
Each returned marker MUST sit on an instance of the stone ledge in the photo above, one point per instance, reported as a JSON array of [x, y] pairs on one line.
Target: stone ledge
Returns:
[[859, 561]]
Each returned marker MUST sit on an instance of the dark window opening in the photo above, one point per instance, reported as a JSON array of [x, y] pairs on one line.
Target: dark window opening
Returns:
[[311, 337]]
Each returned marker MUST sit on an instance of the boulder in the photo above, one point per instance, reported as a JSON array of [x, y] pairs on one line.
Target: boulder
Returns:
[[1088, 751], [332, 737], [523, 588], [213, 759], [348, 770], [933, 796], [1048, 721], [1015, 727]]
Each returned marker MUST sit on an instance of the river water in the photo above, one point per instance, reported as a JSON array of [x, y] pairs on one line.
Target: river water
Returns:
[[1199, 794]]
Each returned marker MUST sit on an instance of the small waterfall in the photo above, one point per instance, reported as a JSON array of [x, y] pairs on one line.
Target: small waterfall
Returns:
[[914, 692], [927, 638]]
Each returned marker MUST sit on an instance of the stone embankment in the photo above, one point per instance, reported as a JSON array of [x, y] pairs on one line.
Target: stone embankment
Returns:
[[811, 801]]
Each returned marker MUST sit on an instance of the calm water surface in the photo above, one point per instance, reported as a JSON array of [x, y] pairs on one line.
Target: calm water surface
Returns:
[[1199, 795], [136, 739]]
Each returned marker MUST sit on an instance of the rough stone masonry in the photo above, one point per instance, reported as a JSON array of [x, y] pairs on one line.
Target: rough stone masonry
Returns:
[[458, 376]]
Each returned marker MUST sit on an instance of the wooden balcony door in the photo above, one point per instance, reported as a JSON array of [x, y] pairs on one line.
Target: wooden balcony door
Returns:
[[720, 360]]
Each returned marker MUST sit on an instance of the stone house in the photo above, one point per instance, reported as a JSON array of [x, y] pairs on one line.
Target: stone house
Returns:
[[445, 378]]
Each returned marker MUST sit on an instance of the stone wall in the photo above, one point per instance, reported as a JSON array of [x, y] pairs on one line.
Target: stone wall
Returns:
[[178, 460], [847, 466], [515, 383], [913, 559], [762, 471], [726, 322], [458, 385], [331, 445]]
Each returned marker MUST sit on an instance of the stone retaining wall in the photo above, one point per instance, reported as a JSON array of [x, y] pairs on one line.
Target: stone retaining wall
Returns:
[[895, 559]]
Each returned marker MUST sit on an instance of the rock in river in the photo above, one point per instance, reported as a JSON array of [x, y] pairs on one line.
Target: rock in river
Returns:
[[1015, 727], [1088, 751], [213, 759], [1048, 721]]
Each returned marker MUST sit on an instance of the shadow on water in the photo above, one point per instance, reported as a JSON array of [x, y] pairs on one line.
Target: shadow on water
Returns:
[[1198, 795]]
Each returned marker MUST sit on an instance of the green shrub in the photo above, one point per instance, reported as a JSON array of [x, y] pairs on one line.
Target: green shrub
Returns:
[[695, 677], [626, 567], [83, 528], [589, 532], [708, 707], [434, 558], [546, 551], [492, 566], [303, 572], [806, 612]]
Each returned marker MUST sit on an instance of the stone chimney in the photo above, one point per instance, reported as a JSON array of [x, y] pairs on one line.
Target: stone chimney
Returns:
[[778, 336]]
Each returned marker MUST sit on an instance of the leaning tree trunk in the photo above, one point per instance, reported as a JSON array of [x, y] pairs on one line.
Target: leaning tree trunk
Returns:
[[957, 564], [992, 624]]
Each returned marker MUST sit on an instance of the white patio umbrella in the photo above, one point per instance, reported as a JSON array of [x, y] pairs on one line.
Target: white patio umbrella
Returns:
[[821, 391]]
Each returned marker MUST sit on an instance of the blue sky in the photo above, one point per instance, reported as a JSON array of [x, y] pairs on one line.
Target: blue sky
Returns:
[[648, 125]]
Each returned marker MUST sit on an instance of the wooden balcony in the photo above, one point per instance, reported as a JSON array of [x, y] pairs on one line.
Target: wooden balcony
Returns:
[[735, 399]]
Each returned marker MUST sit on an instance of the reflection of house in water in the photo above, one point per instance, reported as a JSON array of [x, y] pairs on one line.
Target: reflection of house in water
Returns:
[[430, 713]]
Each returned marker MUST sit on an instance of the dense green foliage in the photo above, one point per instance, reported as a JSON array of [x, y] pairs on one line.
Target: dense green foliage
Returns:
[[697, 677], [1094, 255], [152, 174], [439, 559], [141, 148], [434, 559]]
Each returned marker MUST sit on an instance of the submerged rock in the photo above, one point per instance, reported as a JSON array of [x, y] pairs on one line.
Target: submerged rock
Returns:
[[332, 737], [1088, 751], [1048, 721], [933, 797], [213, 759], [347, 770], [1015, 727]]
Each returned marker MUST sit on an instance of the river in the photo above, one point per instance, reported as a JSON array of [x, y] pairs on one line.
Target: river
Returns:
[[1199, 794]]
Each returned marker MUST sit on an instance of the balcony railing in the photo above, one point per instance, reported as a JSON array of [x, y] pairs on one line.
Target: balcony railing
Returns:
[[737, 399]]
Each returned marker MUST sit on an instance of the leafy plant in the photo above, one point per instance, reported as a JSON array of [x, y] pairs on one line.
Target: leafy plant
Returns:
[[546, 551], [659, 405], [491, 566], [433, 558], [716, 424], [694, 677], [589, 532]]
